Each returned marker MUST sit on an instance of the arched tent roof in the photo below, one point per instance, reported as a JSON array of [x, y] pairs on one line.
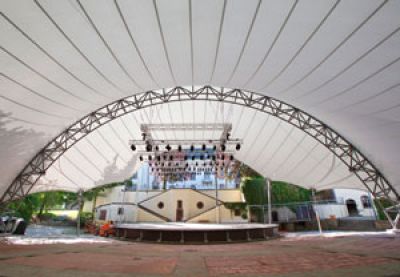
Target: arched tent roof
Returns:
[[336, 60]]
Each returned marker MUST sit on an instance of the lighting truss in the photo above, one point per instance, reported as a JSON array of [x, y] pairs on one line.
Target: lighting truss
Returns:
[[355, 161]]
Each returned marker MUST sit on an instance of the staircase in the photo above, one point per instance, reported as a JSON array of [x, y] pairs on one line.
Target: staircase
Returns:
[[154, 213]]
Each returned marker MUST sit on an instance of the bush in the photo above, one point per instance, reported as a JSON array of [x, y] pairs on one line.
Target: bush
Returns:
[[85, 217]]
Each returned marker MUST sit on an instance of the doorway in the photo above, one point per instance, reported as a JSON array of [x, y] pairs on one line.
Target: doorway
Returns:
[[352, 207], [179, 211]]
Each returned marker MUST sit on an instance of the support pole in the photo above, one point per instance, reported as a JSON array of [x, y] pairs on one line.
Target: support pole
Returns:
[[78, 219], [216, 198], [269, 200], [316, 212]]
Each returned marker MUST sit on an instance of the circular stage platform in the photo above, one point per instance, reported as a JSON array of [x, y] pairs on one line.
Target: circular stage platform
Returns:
[[196, 232]]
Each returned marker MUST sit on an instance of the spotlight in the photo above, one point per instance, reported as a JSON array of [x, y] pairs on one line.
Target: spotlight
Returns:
[[222, 157], [133, 147], [157, 148], [149, 147], [232, 158], [193, 157], [150, 157], [191, 148], [223, 147], [171, 158], [168, 147], [179, 148], [164, 158], [141, 158], [203, 147], [238, 146], [215, 148], [158, 158]]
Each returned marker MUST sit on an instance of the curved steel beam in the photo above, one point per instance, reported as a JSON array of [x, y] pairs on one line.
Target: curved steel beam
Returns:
[[356, 162]]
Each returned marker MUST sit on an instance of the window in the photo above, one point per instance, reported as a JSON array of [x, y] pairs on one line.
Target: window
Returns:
[[103, 215], [366, 202], [200, 205], [120, 211], [160, 205]]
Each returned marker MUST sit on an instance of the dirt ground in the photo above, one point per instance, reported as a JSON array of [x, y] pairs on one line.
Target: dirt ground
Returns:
[[308, 256]]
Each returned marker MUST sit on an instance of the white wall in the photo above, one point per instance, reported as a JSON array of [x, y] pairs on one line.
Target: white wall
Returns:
[[342, 195]]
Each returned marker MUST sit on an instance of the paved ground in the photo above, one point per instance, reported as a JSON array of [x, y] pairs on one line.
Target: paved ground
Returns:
[[309, 256]]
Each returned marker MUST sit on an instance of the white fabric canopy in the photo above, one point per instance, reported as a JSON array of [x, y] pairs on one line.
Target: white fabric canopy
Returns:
[[337, 60]]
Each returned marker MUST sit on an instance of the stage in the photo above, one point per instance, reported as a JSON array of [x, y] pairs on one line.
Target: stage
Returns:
[[180, 232]]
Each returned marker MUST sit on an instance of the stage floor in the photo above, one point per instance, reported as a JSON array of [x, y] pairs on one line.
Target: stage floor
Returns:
[[181, 226], [196, 232]]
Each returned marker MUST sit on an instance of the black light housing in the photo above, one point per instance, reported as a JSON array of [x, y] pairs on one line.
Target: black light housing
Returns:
[[149, 147], [193, 157], [157, 148], [179, 148], [192, 148], [238, 146], [223, 147], [203, 147], [141, 158], [232, 158], [133, 147], [168, 147]]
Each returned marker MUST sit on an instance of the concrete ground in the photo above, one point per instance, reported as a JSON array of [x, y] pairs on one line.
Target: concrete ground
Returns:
[[308, 255]]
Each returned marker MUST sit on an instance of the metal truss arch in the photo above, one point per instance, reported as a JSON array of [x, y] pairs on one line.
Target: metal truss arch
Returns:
[[356, 162]]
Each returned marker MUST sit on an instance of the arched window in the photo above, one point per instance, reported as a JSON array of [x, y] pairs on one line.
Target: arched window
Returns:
[[366, 202]]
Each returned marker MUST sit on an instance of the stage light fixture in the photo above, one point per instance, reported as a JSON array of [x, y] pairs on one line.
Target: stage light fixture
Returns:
[[171, 158], [232, 158], [185, 157], [223, 147], [201, 157], [193, 157], [144, 136], [179, 148], [213, 157], [141, 158], [133, 147], [215, 148], [203, 147], [149, 147], [222, 157], [238, 146], [150, 157], [158, 158], [191, 148], [168, 147], [157, 148]]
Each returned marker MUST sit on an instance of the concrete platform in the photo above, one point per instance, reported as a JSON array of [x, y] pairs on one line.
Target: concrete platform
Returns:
[[177, 232]]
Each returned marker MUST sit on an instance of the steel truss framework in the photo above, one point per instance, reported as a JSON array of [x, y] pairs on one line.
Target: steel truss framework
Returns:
[[356, 162]]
